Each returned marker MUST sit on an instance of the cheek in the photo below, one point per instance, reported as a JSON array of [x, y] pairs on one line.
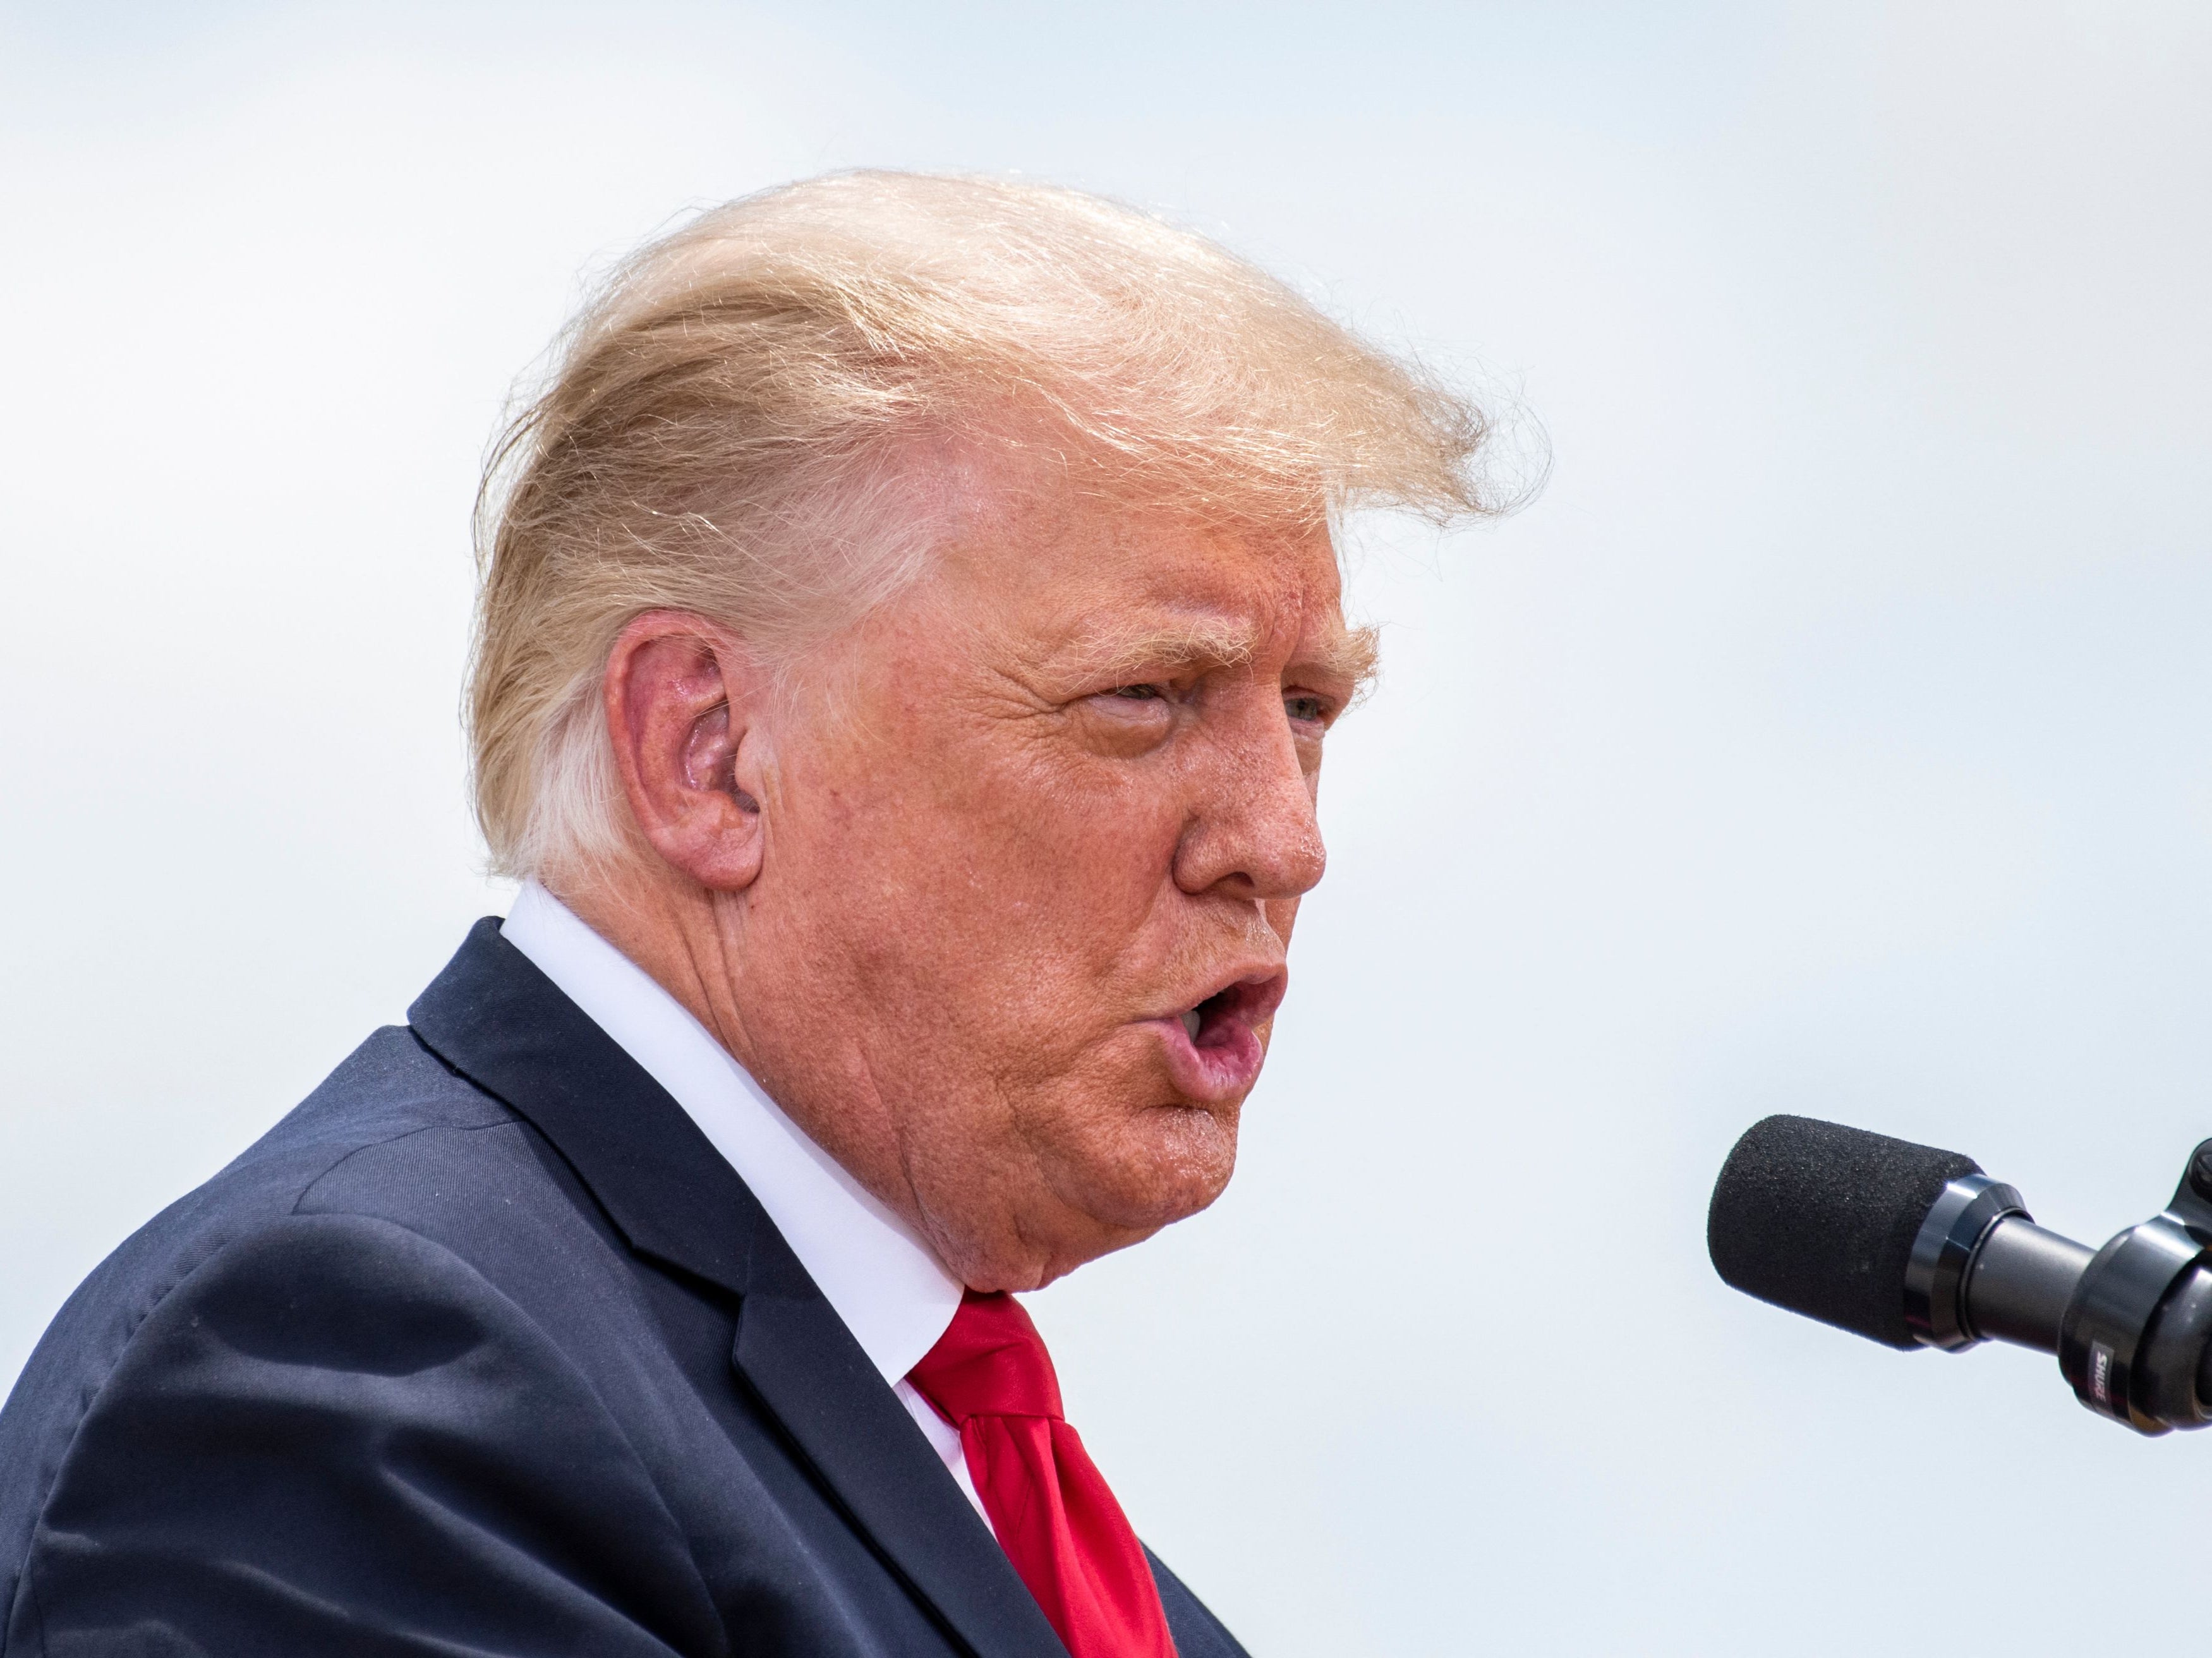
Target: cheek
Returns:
[[1046, 858], [978, 891]]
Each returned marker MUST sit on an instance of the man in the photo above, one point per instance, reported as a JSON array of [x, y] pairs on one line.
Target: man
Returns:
[[909, 632]]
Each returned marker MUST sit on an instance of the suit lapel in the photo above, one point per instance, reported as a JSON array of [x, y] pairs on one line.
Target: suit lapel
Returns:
[[494, 1018], [806, 1368], [498, 1021]]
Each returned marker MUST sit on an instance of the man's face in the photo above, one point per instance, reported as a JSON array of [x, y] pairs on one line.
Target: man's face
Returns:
[[1031, 863]]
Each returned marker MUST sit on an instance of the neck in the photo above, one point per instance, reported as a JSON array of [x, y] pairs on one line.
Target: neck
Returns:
[[671, 928], [761, 990], [710, 951]]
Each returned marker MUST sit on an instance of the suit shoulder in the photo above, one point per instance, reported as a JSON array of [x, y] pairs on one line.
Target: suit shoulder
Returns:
[[389, 1090], [257, 1449]]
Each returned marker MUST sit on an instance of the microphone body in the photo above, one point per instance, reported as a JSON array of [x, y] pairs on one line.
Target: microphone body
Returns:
[[2020, 1282], [1913, 1245]]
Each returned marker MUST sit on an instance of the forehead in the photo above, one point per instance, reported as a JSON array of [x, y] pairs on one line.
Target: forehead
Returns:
[[1100, 581]]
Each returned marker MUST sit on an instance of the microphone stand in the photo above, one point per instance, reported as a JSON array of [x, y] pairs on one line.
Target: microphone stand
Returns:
[[2131, 1323]]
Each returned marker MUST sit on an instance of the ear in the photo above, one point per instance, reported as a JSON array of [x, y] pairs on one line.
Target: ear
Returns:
[[681, 698]]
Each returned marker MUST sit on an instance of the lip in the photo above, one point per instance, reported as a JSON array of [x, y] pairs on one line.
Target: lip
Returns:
[[1223, 1062]]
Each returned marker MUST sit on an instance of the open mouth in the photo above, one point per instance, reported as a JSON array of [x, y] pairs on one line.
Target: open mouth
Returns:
[[1213, 1046]]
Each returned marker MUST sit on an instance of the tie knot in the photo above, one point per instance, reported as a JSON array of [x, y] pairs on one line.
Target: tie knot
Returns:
[[991, 1361]]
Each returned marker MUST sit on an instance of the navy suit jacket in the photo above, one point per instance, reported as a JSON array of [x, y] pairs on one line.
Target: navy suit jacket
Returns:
[[484, 1350]]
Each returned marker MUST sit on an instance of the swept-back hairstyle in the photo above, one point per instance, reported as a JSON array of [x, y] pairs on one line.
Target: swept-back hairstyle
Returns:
[[733, 424]]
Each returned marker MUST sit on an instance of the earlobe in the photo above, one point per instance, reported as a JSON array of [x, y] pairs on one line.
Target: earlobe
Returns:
[[680, 696]]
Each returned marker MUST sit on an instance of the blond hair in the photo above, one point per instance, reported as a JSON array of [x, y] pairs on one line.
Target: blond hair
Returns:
[[733, 424]]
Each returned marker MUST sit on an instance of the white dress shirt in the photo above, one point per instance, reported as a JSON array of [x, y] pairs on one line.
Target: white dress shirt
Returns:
[[887, 1285]]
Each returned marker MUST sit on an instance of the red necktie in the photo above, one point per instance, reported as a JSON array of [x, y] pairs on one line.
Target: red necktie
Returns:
[[990, 1377]]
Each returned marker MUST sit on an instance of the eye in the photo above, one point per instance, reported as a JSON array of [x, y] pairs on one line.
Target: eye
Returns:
[[1128, 720], [1306, 708], [1147, 704]]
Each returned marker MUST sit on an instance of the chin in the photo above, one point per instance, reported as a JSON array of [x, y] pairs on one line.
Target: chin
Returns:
[[1107, 1201], [1165, 1165]]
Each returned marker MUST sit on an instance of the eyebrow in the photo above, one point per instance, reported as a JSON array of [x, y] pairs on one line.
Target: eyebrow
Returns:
[[1351, 655], [1346, 655]]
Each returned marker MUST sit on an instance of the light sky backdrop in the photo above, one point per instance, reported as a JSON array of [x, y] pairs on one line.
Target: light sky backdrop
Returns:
[[1831, 736]]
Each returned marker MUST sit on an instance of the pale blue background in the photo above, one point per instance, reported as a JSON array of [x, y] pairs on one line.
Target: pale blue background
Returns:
[[1831, 736]]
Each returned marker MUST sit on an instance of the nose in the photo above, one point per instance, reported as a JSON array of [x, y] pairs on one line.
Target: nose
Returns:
[[1252, 833]]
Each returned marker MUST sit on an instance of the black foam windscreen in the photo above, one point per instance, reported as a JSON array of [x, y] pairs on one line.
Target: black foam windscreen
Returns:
[[1820, 1218]]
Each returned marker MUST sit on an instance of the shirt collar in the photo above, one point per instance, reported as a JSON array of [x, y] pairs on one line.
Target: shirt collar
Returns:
[[887, 1285]]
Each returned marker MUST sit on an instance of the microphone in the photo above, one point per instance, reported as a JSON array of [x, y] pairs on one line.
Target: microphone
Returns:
[[1915, 1246]]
